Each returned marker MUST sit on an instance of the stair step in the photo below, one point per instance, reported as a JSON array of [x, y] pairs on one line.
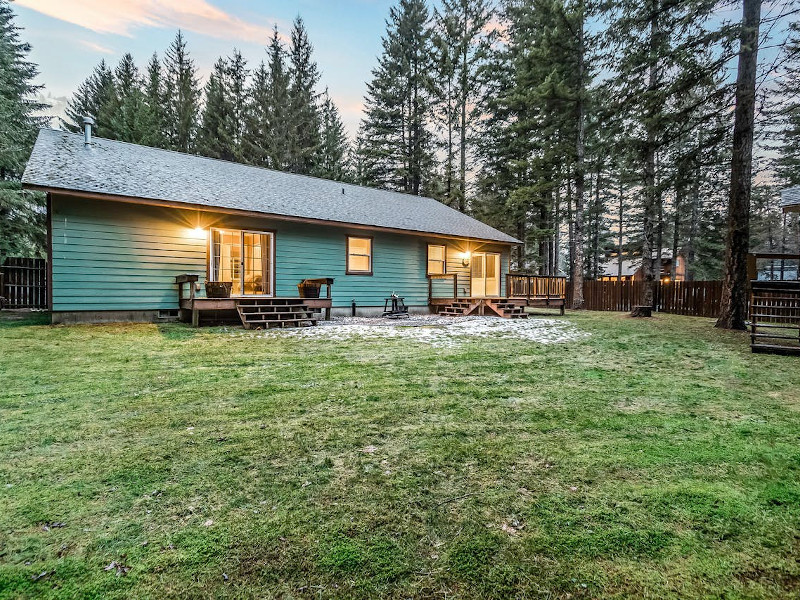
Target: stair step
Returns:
[[775, 325], [775, 348], [775, 336]]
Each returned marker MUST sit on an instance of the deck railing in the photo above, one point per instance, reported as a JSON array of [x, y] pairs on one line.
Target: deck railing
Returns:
[[432, 278], [773, 266], [519, 285]]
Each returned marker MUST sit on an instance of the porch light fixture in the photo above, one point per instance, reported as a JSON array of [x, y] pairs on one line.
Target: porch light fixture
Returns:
[[198, 233], [465, 256]]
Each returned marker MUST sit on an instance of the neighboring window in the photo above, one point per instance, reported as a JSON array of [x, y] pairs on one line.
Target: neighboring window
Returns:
[[359, 255], [436, 259]]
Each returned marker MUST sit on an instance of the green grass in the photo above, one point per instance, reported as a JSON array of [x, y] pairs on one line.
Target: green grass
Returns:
[[652, 459]]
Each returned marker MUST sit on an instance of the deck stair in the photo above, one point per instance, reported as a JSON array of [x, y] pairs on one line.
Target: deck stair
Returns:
[[502, 307], [264, 313], [506, 308], [460, 307], [775, 317]]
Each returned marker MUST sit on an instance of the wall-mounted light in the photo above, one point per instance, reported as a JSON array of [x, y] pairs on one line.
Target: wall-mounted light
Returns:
[[198, 233], [465, 256]]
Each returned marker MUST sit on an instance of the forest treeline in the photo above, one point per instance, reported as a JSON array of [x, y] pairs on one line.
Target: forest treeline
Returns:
[[585, 128]]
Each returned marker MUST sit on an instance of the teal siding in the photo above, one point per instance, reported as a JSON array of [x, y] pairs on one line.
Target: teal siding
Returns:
[[115, 256]]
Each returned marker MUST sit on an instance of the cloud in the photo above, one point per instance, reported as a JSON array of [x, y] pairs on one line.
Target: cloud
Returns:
[[120, 17], [96, 47]]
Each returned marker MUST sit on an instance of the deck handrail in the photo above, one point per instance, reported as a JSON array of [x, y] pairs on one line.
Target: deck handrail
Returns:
[[754, 257], [523, 285], [432, 276]]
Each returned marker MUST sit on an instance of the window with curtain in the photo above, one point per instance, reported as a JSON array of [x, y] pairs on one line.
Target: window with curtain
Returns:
[[436, 259], [359, 255]]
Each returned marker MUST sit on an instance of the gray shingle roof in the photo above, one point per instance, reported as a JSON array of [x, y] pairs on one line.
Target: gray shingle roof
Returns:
[[60, 161], [790, 197]]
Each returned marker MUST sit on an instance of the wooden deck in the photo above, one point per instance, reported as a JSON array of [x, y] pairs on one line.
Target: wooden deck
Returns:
[[536, 291], [192, 306]]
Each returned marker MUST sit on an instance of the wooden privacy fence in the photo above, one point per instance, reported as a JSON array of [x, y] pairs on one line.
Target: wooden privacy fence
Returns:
[[23, 282], [692, 298]]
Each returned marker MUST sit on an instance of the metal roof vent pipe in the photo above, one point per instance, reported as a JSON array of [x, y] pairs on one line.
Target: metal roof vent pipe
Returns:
[[87, 130]]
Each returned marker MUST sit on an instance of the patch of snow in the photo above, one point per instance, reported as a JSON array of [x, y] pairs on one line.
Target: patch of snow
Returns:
[[437, 331]]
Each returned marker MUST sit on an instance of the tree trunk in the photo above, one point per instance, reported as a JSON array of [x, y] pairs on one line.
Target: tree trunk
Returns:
[[557, 229], [650, 192], [733, 312], [691, 245], [676, 228], [577, 254], [621, 214]]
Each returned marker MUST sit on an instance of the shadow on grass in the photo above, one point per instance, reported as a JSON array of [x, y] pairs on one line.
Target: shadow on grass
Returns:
[[23, 318]]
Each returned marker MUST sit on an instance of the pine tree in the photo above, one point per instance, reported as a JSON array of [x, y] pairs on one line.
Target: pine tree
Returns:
[[153, 116], [21, 213], [461, 47], [222, 125], [181, 97], [733, 310], [787, 163], [93, 98], [303, 117], [397, 145], [331, 160], [127, 105], [215, 136], [266, 136], [659, 52]]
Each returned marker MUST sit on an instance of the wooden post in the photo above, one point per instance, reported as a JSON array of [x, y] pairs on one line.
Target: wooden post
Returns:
[[455, 286], [430, 289]]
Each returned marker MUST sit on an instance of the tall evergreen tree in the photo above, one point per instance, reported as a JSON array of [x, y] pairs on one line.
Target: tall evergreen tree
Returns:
[[94, 97], [181, 96], [397, 145], [659, 53], [222, 125], [153, 115], [21, 213], [215, 136], [303, 117], [266, 136], [787, 113], [127, 105], [461, 46], [733, 310], [331, 161]]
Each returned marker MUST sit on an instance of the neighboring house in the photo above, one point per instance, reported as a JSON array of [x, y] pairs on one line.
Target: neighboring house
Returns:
[[125, 220], [790, 199], [632, 268]]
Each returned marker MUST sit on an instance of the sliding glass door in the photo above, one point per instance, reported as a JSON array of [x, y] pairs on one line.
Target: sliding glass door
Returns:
[[245, 259], [485, 276]]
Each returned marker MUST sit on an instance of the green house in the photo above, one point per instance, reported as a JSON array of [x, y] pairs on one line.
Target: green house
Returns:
[[130, 228]]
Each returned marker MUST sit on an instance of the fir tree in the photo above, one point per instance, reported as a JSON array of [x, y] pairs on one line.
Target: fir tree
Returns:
[[397, 145], [127, 105], [21, 213], [222, 125], [181, 97], [787, 113], [215, 136], [461, 47], [153, 117], [266, 136], [93, 98], [303, 117], [331, 160]]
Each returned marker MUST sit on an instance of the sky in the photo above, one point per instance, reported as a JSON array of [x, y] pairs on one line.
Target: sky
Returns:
[[69, 37]]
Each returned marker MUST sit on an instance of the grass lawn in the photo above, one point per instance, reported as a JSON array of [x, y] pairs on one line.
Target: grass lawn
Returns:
[[651, 459]]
